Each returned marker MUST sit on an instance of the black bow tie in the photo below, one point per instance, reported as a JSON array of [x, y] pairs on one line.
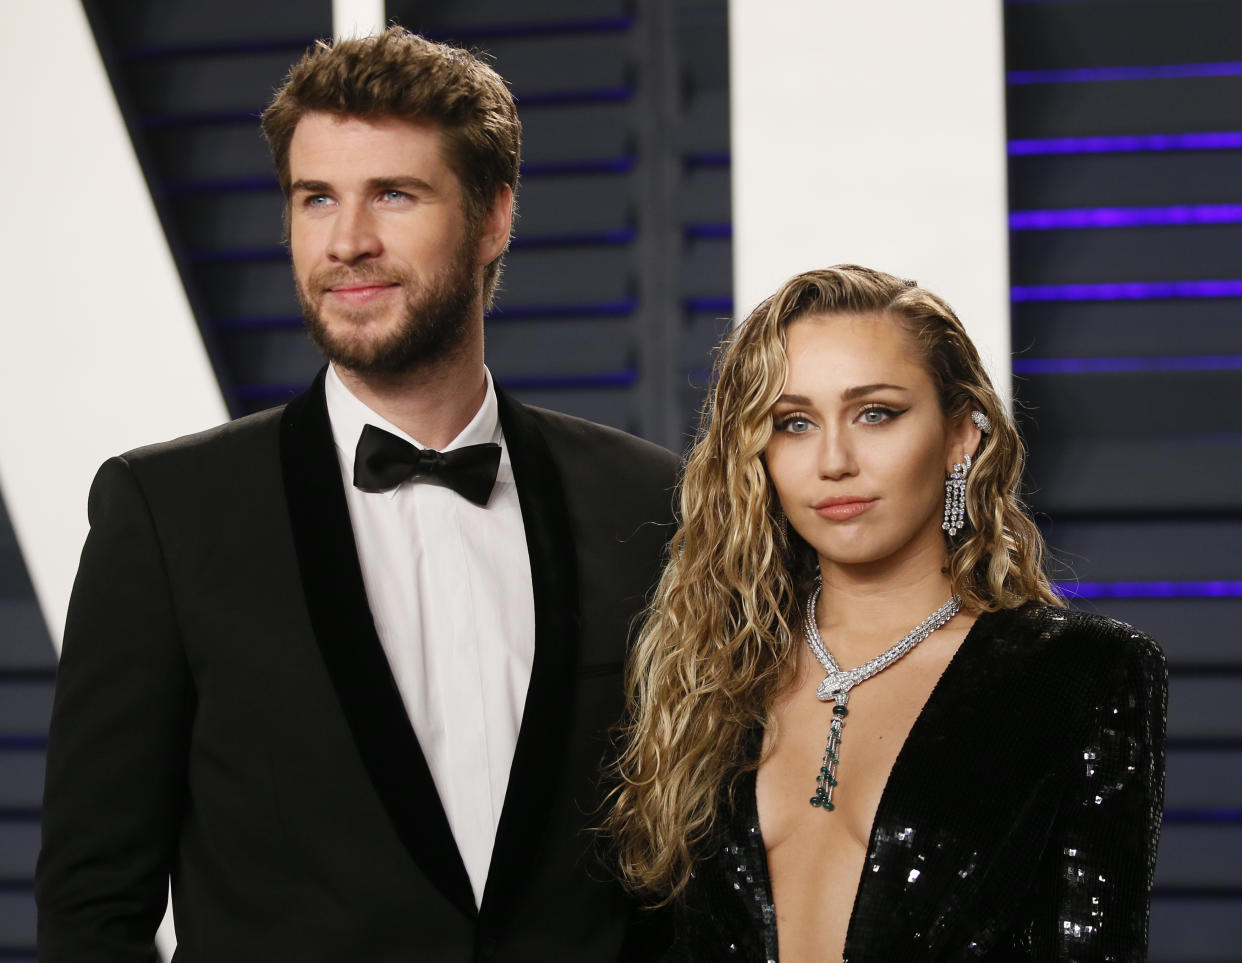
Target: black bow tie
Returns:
[[384, 461]]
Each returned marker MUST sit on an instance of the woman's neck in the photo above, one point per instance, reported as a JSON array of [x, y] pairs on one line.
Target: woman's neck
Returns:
[[862, 612]]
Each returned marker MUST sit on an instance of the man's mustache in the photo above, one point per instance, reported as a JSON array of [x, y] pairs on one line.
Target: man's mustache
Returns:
[[321, 281]]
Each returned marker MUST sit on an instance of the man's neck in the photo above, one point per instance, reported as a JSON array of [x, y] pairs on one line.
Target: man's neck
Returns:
[[432, 405]]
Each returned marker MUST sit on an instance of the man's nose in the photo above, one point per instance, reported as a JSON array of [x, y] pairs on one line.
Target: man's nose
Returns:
[[354, 234]]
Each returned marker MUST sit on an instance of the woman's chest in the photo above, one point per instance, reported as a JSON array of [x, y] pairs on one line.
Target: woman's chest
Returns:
[[803, 753]]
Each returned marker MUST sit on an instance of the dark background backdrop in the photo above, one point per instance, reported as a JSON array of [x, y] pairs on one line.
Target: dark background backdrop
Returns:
[[1125, 126]]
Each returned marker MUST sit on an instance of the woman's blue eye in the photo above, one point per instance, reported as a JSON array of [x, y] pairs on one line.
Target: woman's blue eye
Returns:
[[877, 416], [796, 425]]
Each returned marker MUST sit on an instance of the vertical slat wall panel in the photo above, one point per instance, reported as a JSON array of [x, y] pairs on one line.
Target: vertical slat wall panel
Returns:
[[617, 284], [191, 79], [27, 676], [1126, 248], [704, 199]]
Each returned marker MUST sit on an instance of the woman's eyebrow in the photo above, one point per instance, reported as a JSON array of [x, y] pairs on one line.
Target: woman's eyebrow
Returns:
[[849, 394]]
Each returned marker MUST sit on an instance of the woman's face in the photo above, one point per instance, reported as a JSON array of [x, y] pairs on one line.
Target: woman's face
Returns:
[[860, 447]]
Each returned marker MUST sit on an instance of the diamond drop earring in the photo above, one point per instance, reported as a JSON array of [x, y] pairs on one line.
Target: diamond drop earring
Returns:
[[955, 497]]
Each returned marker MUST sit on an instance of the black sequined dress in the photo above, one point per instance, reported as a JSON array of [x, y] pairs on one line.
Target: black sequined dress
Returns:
[[1019, 822]]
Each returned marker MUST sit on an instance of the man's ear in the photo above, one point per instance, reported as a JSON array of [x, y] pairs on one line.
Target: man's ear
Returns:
[[497, 223]]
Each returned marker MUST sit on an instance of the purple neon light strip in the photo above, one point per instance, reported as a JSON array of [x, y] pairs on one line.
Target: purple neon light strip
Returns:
[[597, 309], [607, 379], [709, 303], [1127, 291], [1128, 143], [23, 741], [1087, 75], [1096, 217], [1203, 362], [624, 378], [708, 159], [1222, 814], [1150, 590], [546, 28]]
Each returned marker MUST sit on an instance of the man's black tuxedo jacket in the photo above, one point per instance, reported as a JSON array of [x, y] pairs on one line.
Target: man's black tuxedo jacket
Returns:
[[224, 712]]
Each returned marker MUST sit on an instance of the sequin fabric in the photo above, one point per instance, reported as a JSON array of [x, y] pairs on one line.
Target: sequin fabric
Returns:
[[1019, 823]]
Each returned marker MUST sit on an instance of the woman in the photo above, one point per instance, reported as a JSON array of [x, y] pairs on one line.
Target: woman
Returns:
[[986, 786]]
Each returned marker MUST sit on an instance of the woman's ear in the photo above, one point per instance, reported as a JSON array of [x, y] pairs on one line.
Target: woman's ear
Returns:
[[965, 436]]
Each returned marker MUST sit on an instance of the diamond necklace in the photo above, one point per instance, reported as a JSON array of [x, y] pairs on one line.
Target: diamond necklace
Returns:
[[836, 686]]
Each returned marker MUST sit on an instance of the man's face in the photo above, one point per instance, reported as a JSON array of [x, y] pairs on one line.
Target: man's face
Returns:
[[385, 261]]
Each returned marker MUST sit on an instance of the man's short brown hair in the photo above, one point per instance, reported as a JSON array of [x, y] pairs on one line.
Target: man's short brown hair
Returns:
[[400, 74]]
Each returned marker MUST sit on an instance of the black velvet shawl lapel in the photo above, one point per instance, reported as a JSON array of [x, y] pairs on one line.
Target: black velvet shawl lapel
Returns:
[[337, 603], [538, 758]]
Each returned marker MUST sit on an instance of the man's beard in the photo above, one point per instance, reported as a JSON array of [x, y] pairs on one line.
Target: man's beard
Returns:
[[433, 323]]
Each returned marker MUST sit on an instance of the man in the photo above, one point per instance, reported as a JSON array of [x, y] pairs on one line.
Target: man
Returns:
[[352, 695]]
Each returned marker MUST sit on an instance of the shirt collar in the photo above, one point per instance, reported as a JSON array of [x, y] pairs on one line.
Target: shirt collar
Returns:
[[349, 416]]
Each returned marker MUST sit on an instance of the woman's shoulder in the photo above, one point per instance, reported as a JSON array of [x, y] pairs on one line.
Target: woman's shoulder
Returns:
[[1084, 641]]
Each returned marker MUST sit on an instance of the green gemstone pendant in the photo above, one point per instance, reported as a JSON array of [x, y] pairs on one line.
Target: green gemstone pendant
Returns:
[[826, 781]]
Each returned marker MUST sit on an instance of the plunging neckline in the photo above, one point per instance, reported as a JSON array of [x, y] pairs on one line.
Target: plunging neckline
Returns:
[[751, 791]]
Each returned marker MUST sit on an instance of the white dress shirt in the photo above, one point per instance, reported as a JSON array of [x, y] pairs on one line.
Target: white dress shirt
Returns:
[[449, 587]]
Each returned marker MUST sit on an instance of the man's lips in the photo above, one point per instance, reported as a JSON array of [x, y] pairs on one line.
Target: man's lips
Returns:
[[361, 292], [839, 508]]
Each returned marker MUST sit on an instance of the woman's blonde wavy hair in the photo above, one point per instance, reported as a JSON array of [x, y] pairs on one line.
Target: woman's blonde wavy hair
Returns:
[[719, 639]]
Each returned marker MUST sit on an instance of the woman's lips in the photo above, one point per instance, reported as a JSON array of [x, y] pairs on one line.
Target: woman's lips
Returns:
[[840, 508]]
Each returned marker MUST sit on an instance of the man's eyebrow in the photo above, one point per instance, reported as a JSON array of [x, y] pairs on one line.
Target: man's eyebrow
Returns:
[[374, 184], [858, 391], [399, 182], [312, 187]]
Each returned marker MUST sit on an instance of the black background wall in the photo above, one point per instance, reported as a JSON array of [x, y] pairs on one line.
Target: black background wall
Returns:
[[1125, 184], [1126, 169]]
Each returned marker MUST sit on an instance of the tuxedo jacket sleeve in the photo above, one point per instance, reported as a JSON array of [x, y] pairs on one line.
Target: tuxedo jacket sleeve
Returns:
[[117, 757], [225, 716]]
